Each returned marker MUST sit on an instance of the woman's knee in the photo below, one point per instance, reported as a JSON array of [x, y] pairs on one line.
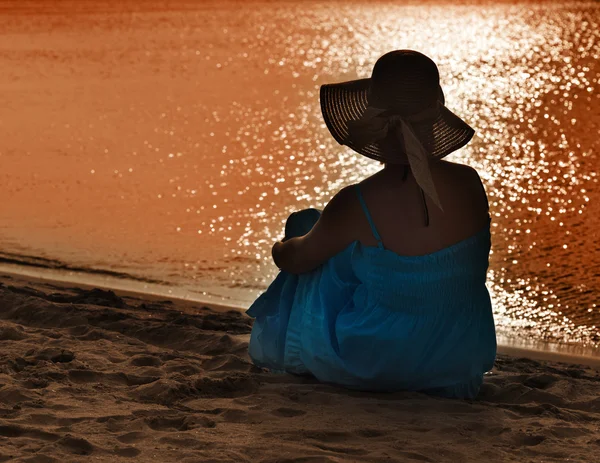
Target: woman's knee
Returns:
[[301, 222]]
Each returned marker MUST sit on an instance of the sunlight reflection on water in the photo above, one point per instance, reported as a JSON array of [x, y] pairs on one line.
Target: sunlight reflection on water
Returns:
[[178, 153]]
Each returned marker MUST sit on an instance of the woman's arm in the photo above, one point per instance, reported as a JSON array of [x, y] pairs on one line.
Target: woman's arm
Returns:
[[332, 233]]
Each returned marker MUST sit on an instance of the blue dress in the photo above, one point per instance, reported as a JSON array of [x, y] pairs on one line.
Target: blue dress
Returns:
[[371, 319]]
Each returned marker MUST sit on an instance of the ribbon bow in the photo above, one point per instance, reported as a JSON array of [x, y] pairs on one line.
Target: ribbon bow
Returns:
[[373, 126]]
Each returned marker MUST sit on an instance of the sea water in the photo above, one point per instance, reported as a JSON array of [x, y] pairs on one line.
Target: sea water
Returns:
[[165, 146]]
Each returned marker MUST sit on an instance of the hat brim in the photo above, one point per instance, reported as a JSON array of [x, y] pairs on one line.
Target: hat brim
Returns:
[[347, 101]]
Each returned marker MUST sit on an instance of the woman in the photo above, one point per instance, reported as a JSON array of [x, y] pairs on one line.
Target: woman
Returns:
[[385, 289]]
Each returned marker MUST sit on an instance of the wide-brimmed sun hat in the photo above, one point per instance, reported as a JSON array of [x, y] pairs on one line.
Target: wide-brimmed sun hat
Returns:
[[403, 97]]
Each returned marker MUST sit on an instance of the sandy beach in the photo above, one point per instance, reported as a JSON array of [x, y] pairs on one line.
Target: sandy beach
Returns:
[[90, 375]]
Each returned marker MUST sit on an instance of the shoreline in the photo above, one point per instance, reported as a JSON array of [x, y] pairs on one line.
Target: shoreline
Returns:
[[70, 277], [537, 350]]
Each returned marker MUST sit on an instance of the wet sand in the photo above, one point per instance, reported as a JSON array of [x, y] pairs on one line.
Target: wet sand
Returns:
[[87, 373]]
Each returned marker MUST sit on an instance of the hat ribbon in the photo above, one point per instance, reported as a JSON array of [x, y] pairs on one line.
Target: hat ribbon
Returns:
[[373, 126]]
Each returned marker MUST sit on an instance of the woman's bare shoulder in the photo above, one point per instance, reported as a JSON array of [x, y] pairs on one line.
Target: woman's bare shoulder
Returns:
[[460, 174], [342, 202], [463, 183], [457, 168]]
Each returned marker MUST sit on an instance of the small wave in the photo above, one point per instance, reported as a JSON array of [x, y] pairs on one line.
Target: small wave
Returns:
[[54, 264]]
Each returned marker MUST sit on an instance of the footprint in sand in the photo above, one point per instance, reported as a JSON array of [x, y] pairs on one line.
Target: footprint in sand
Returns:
[[55, 355], [340, 449], [39, 458], [134, 436], [235, 415], [14, 431], [542, 381], [569, 432], [181, 366], [528, 439], [76, 445], [227, 363], [178, 423], [9, 333], [413, 456], [98, 377], [145, 361], [288, 412], [164, 423], [127, 452], [370, 433], [34, 383], [186, 443], [233, 385], [13, 395]]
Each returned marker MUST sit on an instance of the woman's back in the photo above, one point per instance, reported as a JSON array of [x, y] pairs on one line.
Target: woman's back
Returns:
[[403, 305], [378, 320], [411, 225]]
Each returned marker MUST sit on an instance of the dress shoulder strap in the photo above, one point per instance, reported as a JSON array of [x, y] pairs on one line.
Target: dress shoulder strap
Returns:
[[368, 215]]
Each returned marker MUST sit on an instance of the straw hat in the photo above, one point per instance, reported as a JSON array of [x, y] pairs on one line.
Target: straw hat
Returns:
[[402, 99]]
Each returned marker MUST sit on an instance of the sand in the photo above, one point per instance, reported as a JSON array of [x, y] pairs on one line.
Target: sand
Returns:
[[89, 375]]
